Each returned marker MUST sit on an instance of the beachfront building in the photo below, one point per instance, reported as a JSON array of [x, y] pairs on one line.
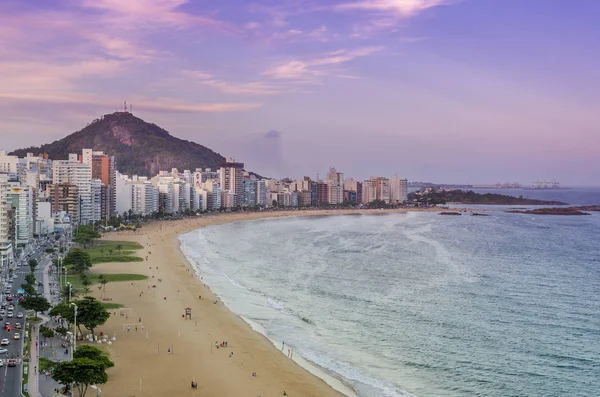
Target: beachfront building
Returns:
[[6, 222], [250, 192], [261, 193], [232, 181], [11, 165], [80, 174], [369, 191], [398, 190], [335, 180]]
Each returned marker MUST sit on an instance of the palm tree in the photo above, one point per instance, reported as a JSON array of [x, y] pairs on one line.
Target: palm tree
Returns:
[[86, 282], [103, 280]]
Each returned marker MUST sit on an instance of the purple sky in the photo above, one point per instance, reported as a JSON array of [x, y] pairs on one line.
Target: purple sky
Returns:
[[465, 91]]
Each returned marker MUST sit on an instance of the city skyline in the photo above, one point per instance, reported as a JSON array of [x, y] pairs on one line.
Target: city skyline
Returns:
[[450, 91]]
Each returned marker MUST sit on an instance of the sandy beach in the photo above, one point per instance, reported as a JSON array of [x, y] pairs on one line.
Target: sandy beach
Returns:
[[163, 352]]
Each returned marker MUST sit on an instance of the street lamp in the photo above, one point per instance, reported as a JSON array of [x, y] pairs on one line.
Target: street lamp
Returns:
[[69, 284], [98, 391], [74, 331]]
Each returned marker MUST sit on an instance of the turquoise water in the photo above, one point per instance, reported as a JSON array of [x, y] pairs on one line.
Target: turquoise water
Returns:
[[421, 304]]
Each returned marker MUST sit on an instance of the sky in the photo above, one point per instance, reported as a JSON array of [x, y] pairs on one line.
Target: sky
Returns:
[[454, 91]]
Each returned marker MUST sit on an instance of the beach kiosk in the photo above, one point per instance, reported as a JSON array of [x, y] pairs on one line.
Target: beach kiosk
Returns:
[[188, 313]]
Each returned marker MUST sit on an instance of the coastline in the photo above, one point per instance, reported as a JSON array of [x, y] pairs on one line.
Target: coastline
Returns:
[[170, 352]]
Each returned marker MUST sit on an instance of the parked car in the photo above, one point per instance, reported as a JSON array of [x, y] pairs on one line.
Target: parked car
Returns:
[[4, 342]]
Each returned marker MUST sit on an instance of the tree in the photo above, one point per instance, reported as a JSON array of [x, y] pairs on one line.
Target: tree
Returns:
[[86, 235], [110, 252], [102, 251], [86, 282], [63, 310], [36, 303], [93, 353], [82, 372], [46, 332], [68, 292], [91, 313], [32, 265], [61, 330], [79, 260], [29, 286], [103, 280], [119, 247]]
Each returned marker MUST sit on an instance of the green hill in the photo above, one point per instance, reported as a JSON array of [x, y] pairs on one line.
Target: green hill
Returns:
[[139, 147]]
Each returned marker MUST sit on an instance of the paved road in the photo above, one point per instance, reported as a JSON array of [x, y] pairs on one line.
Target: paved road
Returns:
[[10, 377]]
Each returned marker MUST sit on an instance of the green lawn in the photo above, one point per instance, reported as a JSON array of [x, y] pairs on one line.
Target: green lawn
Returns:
[[100, 252], [45, 363], [110, 306], [112, 278]]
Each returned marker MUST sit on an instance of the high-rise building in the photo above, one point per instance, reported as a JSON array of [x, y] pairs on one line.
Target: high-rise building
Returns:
[[80, 174], [322, 194], [232, 181], [261, 193], [20, 198], [65, 198], [6, 225], [398, 190], [335, 180], [383, 189], [250, 192], [369, 191]]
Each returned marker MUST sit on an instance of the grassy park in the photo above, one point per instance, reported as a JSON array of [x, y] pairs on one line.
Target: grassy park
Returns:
[[75, 280], [114, 251]]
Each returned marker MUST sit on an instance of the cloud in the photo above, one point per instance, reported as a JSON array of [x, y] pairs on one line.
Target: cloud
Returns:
[[401, 8], [309, 70], [255, 88]]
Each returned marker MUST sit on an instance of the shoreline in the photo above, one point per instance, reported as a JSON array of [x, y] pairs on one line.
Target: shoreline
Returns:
[[334, 380], [171, 348]]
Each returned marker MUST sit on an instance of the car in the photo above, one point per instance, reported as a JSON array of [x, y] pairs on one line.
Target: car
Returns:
[[3, 351], [12, 363], [4, 342], [2, 312], [19, 315], [9, 298], [6, 325], [18, 326], [9, 314], [1, 363], [17, 336], [11, 307]]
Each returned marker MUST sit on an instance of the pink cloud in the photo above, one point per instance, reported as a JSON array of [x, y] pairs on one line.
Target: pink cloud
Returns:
[[307, 71], [402, 8]]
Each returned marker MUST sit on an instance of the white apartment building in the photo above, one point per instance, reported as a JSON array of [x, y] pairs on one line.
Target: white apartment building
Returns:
[[11, 165], [20, 198], [144, 198], [335, 180], [261, 193], [369, 191], [398, 190], [79, 174]]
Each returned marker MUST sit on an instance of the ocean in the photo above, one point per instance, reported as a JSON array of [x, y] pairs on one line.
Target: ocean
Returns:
[[420, 304]]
